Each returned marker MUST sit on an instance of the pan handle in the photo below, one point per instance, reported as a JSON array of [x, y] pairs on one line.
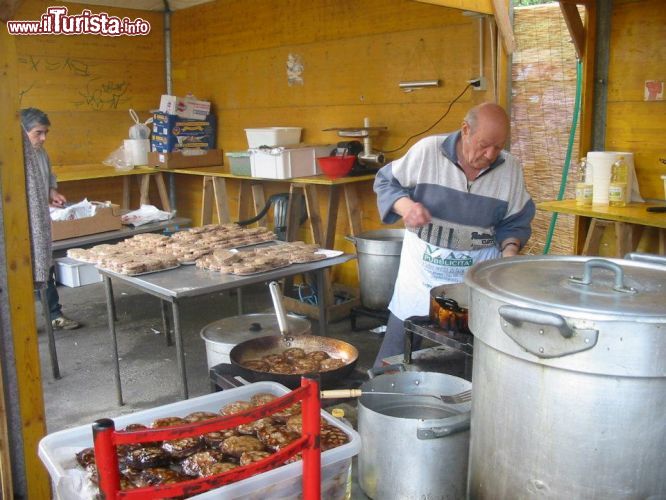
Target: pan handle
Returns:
[[373, 372], [340, 393], [279, 308]]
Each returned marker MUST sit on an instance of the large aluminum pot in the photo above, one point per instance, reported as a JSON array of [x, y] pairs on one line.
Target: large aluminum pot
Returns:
[[413, 447], [378, 261], [569, 379]]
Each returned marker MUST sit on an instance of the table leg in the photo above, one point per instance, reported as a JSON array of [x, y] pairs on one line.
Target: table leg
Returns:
[[53, 354], [259, 201], [180, 353], [207, 201], [332, 214], [409, 342], [126, 193], [165, 322], [144, 195], [353, 209], [162, 190], [110, 311], [221, 200], [312, 206], [322, 302], [239, 298]]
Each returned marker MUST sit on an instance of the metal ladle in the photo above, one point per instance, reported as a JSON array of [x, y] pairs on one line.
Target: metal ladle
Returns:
[[283, 324]]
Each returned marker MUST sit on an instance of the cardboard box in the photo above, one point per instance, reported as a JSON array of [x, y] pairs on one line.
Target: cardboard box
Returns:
[[172, 133], [185, 107], [74, 273], [177, 159], [105, 219]]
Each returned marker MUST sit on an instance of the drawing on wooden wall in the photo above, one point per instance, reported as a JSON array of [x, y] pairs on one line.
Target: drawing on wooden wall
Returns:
[[294, 70], [654, 90], [95, 91]]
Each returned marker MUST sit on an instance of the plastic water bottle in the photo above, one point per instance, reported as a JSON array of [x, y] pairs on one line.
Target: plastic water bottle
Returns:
[[584, 184], [339, 413], [617, 190]]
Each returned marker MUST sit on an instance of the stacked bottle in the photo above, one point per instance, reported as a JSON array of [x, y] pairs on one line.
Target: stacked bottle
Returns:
[[617, 190], [584, 183]]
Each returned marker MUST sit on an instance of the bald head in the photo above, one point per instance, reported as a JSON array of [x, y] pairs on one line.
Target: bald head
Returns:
[[484, 132]]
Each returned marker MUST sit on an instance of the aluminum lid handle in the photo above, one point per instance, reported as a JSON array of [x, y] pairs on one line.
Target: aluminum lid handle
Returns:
[[544, 334], [604, 264]]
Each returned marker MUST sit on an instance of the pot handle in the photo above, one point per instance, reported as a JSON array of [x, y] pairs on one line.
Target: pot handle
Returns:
[[458, 423], [544, 334], [352, 239], [648, 258], [606, 264], [373, 372]]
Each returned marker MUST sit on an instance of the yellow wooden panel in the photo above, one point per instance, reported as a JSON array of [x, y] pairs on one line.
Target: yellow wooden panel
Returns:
[[249, 25], [638, 37], [119, 48], [19, 275], [640, 127]]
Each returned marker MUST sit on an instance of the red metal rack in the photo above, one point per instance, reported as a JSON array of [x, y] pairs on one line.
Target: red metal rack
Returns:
[[106, 438]]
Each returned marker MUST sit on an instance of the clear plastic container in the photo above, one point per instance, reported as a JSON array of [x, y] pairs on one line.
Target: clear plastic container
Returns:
[[70, 482], [273, 136]]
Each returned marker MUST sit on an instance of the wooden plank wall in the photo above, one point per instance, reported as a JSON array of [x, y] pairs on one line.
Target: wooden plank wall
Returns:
[[353, 53], [638, 53], [86, 84]]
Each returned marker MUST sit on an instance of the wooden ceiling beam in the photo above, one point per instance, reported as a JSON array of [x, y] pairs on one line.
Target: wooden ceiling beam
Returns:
[[501, 13], [575, 26]]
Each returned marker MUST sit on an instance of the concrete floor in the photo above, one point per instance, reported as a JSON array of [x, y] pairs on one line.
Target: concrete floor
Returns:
[[86, 390]]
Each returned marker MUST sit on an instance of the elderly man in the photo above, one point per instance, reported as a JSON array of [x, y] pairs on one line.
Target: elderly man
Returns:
[[41, 186], [463, 201]]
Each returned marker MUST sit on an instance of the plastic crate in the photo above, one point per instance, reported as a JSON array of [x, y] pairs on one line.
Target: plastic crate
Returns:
[[240, 163], [273, 136], [286, 163], [57, 452], [74, 273]]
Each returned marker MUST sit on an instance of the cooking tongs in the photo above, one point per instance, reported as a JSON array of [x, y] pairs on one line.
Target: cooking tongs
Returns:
[[454, 399]]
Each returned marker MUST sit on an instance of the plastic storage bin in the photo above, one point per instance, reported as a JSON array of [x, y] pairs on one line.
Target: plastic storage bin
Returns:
[[74, 273], [240, 163], [285, 163], [69, 480], [273, 136]]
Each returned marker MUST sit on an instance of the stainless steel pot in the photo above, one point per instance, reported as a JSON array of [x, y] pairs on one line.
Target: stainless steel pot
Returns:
[[413, 447], [569, 379], [378, 261]]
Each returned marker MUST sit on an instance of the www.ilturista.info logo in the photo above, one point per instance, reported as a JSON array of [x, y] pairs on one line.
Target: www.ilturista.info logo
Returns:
[[56, 21]]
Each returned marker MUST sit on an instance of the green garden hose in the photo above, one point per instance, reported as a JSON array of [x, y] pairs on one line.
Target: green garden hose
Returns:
[[567, 159]]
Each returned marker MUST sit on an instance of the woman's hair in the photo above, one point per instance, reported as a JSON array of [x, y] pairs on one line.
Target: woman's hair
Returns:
[[31, 117]]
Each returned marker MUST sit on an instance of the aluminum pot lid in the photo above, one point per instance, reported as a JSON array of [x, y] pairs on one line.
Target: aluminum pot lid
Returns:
[[578, 286], [237, 329]]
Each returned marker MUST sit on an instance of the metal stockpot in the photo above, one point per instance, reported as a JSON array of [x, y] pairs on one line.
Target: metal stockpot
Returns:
[[569, 379], [378, 261], [413, 447]]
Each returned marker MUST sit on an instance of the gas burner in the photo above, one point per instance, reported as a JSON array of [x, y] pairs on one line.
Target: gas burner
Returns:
[[424, 327], [227, 376]]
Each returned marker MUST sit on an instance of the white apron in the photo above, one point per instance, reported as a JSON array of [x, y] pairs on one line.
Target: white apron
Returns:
[[423, 267]]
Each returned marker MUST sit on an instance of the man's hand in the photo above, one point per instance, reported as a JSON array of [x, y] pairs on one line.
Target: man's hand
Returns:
[[56, 199], [510, 247], [413, 213]]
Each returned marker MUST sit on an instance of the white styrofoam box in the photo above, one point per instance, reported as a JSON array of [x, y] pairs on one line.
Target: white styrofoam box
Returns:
[[273, 136], [285, 163], [70, 482], [74, 273]]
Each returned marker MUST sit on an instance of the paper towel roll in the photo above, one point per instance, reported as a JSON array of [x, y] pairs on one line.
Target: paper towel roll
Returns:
[[601, 162], [138, 150]]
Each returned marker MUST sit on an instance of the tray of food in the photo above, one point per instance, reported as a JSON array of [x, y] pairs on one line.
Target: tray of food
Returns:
[[70, 463]]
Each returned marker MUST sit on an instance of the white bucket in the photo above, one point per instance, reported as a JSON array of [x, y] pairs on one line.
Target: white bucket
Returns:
[[137, 150]]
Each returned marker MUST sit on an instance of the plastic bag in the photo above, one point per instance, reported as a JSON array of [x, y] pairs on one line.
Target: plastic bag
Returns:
[[139, 130], [120, 158]]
